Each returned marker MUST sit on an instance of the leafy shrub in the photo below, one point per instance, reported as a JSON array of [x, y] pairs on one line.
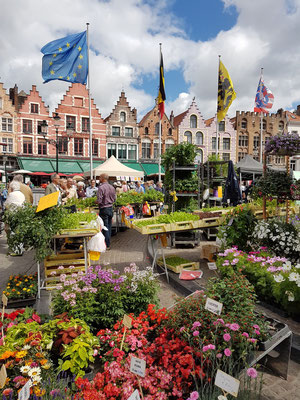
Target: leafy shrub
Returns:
[[274, 184]]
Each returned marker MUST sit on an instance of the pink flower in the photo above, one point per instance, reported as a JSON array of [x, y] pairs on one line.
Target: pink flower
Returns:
[[196, 333], [245, 334], [234, 327], [209, 347], [256, 327], [257, 332], [227, 352], [219, 355], [219, 321], [252, 372], [181, 329], [226, 337], [194, 396], [196, 325], [252, 340]]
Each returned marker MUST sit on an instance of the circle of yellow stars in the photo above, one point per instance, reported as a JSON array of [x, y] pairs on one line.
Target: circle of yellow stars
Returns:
[[79, 66]]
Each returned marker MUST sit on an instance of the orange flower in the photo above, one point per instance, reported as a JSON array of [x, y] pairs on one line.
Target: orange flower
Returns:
[[43, 361], [7, 354], [39, 355]]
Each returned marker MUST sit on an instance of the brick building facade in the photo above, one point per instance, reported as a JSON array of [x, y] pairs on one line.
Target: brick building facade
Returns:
[[122, 131], [149, 135]]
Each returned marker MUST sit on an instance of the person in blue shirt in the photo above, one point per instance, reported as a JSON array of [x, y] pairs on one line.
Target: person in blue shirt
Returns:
[[92, 190]]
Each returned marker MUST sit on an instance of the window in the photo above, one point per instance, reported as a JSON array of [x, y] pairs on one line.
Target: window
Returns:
[[115, 131], [199, 138], [122, 116], [226, 143], [146, 148], [193, 121], [122, 150], [280, 126], [27, 126], [62, 145], [256, 142], [78, 146], [71, 122], [39, 127], [293, 165], [226, 156], [264, 125], [78, 101], [279, 160], [129, 132], [169, 143], [155, 150], [214, 142], [42, 147], [294, 132], [243, 141], [27, 146], [7, 124], [132, 152], [95, 147], [244, 124], [9, 147], [146, 131], [34, 109], [0, 102], [111, 150], [170, 133], [199, 156], [188, 136], [241, 155], [157, 128], [222, 126], [85, 124]]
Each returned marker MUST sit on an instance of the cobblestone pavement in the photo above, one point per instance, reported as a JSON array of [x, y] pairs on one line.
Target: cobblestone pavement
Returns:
[[130, 246]]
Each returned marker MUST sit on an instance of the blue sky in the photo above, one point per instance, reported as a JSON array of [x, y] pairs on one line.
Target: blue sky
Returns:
[[125, 37]]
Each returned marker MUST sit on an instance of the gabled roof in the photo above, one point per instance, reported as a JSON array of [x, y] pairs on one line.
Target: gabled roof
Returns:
[[209, 121], [179, 118], [145, 117]]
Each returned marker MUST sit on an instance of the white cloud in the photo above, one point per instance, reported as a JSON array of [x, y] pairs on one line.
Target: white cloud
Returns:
[[124, 37]]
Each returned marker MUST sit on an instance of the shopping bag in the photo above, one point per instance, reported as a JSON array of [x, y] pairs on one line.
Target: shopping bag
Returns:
[[96, 245]]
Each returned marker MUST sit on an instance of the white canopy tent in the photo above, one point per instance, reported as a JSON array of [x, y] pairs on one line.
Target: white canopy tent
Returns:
[[113, 168]]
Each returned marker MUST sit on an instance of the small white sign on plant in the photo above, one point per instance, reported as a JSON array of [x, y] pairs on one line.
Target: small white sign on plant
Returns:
[[135, 395], [24, 393], [227, 383], [138, 366], [213, 306]]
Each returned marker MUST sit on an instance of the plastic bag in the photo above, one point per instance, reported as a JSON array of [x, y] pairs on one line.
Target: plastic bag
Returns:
[[97, 243], [146, 209]]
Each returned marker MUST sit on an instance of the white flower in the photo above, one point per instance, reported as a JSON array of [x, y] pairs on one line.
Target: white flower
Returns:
[[221, 397], [294, 276], [26, 347], [278, 278], [287, 265], [36, 380], [34, 372], [291, 296], [25, 369], [297, 266]]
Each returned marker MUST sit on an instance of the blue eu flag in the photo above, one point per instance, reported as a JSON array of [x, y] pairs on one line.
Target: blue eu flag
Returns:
[[66, 59]]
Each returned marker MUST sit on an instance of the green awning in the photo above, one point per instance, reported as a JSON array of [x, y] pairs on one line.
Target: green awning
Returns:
[[134, 165], [85, 165], [67, 167], [152, 169], [34, 165]]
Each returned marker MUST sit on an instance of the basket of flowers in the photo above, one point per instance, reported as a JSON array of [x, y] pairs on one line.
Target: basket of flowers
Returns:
[[284, 144], [21, 290]]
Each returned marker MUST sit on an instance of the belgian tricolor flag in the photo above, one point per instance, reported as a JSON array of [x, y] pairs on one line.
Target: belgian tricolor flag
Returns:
[[161, 92]]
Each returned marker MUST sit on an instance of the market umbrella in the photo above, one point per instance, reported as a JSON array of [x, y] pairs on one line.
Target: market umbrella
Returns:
[[22, 171], [78, 178], [232, 189], [2, 171]]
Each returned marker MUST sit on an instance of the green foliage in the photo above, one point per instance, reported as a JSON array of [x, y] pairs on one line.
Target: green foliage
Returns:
[[75, 220], [177, 216], [132, 197], [153, 195], [274, 184], [188, 185], [33, 230], [237, 228], [183, 154], [83, 203], [220, 169], [174, 261]]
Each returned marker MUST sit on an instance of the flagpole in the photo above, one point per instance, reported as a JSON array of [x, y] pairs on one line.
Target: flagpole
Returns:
[[217, 123], [261, 121], [90, 108], [159, 131]]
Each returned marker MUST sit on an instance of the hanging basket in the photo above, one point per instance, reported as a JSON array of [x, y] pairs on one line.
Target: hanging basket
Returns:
[[285, 144]]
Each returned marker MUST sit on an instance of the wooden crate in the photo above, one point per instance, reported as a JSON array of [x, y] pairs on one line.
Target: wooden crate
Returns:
[[163, 228], [191, 266], [52, 263], [74, 232]]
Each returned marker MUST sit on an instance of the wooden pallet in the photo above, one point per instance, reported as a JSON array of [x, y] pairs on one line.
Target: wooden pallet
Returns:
[[191, 266], [76, 232], [163, 228]]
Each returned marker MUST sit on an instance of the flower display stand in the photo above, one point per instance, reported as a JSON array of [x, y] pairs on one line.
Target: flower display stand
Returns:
[[191, 266]]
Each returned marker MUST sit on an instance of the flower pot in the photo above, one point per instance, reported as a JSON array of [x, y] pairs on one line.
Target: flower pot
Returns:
[[21, 303], [277, 330]]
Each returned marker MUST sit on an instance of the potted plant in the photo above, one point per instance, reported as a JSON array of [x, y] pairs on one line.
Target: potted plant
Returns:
[[21, 290], [284, 144]]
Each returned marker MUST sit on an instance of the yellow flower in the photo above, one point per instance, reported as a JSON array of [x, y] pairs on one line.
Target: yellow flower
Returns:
[[21, 354], [46, 366], [24, 288]]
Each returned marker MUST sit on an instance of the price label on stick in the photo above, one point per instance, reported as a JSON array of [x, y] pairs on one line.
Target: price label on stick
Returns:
[[212, 266], [4, 300], [213, 306], [227, 383], [24, 393], [135, 395], [3, 376], [127, 321], [138, 366]]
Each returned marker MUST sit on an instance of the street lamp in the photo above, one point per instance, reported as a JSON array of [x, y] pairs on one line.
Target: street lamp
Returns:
[[55, 142], [5, 171]]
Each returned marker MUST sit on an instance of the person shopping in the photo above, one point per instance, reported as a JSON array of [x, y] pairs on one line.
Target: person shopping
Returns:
[[106, 197]]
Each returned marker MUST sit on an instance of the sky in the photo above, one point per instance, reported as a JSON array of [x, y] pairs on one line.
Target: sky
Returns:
[[124, 49]]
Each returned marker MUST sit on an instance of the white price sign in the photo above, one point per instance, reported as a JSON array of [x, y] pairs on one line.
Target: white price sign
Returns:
[[24, 393], [227, 383], [135, 395], [213, 306], [138, 366], [212, 266]]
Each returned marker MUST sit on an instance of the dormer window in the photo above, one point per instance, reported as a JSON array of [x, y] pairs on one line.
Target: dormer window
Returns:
[[34, 108], [122, 116]]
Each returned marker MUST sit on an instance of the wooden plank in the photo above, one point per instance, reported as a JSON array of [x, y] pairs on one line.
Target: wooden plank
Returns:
[[191, 266], [63, 256]]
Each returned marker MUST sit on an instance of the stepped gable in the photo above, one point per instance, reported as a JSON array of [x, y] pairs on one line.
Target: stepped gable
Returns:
[[33, 97]]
